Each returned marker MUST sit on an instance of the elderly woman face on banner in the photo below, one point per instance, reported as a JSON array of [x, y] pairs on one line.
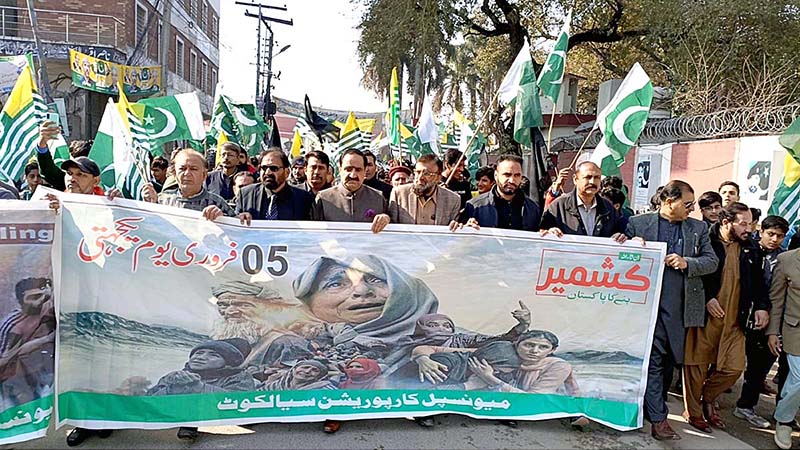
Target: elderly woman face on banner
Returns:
[[345, 294]]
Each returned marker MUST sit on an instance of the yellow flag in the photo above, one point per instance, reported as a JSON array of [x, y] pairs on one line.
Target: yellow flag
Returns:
[[223, 138], [405, 133], [22, 94], [123, 106], [297, 143], [366, 125]]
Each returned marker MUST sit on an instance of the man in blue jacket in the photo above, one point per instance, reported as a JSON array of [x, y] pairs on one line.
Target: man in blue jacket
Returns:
[[505, 205]]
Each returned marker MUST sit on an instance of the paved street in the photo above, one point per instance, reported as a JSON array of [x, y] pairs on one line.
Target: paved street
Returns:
[[451, 432]]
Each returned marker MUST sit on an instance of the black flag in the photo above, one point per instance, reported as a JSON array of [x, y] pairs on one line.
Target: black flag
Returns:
[[274, 134], [322, 128]]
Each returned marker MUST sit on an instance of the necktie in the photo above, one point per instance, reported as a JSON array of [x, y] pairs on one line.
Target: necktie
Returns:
[[272, 212]]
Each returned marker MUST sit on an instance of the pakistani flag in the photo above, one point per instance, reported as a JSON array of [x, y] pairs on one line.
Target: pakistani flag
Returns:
[[519, 88], [427, 130], [110, 139], [173, 118], [472, 148], [19, 126], [59, 149], [622, 120], [241, 122], [553, 71], [786, 202], [393, 128]]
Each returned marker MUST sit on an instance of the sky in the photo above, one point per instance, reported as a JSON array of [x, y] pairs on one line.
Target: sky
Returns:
[[321, 62]]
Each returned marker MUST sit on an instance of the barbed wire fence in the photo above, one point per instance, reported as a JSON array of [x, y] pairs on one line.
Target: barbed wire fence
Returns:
[[729, 123]]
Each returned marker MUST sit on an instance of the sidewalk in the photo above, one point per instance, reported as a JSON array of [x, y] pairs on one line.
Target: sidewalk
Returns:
[[451, 431]]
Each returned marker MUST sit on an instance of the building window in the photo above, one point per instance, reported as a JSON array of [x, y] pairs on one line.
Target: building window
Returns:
[[204, 16], [180, 56], [193, 67], [141, 25], [204, 78], [193, 9], [214, 31], [213, 80]]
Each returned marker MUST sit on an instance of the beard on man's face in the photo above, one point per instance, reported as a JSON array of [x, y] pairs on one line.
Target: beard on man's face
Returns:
[[242, 327]]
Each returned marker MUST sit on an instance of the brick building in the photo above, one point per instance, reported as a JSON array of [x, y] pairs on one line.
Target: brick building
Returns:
[[111, 30]]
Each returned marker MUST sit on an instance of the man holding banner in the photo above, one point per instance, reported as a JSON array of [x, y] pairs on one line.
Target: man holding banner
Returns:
[[682, 305]]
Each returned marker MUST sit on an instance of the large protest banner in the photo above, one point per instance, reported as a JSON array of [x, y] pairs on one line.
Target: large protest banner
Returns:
[[103, 76], [27, 320], [168, 319]]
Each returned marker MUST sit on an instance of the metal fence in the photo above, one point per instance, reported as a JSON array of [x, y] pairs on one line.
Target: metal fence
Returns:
[[723, 124], [62, 27]]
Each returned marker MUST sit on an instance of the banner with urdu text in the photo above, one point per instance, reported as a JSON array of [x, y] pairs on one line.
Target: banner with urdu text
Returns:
[[167, 319], [104, 76], [27, 320]]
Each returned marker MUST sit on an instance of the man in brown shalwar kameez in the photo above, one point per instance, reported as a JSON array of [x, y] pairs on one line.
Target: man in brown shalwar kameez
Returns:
[[733, 292]]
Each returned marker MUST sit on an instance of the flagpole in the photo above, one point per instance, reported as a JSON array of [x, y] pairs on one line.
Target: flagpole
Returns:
[[580, 150], [474, 135], [550, 130]]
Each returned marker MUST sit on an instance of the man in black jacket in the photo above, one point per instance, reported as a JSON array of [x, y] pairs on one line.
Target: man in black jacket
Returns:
[[505, 205], [273, 198], [371, 176], [583, 212], [736, 299]]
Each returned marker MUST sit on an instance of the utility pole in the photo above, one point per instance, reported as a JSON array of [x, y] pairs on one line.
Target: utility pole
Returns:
[[268, 107], [44, 82], [165, 38]]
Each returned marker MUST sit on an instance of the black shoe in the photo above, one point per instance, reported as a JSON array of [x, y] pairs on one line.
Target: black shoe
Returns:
[[187, 433], [425, 422], [102, 434], [509, 423], [78, 435]]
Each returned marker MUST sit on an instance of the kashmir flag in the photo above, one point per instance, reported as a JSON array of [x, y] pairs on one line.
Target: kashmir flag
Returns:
[[173, 118], [427, 130], [552, 75], [786, 202], [350, 136], [19, 126], [297, 144], [622, 120], [221, 140], [367, 127], [393, 128], [132, 164]]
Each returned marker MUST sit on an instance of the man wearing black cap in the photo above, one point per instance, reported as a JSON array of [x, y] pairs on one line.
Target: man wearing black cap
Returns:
[[298, 176]]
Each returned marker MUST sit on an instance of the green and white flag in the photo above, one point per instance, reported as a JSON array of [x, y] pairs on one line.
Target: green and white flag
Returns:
[[519, 89], [19, 126], [173, 118], [111, 138], [553, 71], [786, 202], [427, 131], [59, 149], [241, 122], [622, 120]]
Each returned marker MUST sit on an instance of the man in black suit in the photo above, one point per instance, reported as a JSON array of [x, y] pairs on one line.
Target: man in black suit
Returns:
[[273, 198]]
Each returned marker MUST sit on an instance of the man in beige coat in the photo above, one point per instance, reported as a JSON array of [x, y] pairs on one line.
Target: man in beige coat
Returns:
[[424, 202], [785, 321]]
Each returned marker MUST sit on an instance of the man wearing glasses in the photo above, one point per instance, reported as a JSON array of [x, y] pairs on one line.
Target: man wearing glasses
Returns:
[[683, 302], [710, 206], [424, 202], [273, 198]]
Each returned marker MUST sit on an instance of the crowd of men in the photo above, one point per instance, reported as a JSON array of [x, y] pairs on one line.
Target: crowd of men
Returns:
[[728, 304]]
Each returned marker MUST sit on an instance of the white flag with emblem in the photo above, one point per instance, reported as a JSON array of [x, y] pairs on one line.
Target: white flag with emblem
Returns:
[[622, 120], [173, 118]]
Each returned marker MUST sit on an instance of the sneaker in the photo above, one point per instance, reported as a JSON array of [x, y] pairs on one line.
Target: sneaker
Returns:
[[783, 436], [749, 415], [187, 433]]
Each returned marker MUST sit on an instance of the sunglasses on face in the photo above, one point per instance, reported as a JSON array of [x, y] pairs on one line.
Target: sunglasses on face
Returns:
[[271, 168]]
